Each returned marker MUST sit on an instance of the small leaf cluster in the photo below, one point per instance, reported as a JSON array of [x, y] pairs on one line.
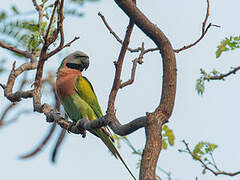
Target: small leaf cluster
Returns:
[[168, 137], [18, 30], [231, 43], [21, 32], [200, 83], [202, 149], [203, 152]]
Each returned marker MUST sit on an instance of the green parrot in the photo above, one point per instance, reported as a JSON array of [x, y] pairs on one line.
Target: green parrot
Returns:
[[77, 96]]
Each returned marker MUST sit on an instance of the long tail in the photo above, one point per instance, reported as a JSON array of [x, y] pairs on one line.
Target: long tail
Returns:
[[108, 142]]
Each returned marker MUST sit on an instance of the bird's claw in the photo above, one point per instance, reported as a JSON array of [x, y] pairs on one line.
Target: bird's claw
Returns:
[[82, 131], [70, 127]]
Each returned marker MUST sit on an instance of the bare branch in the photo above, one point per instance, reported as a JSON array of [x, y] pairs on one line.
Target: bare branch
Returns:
[[204, 32], [115, 35], [58, 144], [128, 128], [162, 113], [15, 118], [48, 40], [41, 145], [16, 50], [55, 51], [46, 37], [17, 96], [9, 107], [118, 66], [205, 166], [39, 10], [137, 60], [222, 76]]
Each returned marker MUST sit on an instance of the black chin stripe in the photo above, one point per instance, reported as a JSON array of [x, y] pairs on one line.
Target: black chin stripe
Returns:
[[73, 66]]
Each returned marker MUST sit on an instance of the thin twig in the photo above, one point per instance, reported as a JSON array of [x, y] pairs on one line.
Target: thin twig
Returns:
[[15, 118], [16, 50], [118, 66], [39, 9], [55, 51], [216, 173], [9, 107], [222, 76], [115, 35], [46, 37], [137, 60], [204, 32]]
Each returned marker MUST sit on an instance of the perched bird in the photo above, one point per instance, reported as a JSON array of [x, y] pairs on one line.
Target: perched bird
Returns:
[[77, 96]]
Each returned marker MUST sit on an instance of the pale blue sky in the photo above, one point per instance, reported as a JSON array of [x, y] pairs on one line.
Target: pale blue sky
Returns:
[[212, 117]]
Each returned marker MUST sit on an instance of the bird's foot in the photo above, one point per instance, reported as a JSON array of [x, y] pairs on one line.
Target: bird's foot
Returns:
[[81, 130], [70, 127]]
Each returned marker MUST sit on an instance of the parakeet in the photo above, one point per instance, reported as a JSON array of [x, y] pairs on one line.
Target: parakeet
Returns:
[[78, 98]]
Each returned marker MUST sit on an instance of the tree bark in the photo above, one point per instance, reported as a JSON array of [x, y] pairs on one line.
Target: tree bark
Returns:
[[162, 113]]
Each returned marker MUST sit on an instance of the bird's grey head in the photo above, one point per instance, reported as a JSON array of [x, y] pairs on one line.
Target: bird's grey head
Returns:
[[77, 60]]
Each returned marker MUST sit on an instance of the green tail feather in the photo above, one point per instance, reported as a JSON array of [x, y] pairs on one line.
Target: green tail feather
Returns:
[[108, 142]]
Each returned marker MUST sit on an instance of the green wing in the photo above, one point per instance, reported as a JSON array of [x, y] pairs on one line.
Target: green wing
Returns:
[[86, 92]]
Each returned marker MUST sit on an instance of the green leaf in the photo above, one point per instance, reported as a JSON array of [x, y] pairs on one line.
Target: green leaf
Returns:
[[164, 144], [30, 26], [200, 86], [167, 132], [15, 10], [227, 44], [3, 15]]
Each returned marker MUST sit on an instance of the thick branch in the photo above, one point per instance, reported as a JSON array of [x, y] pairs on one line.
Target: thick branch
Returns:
[[164, 110], [17, 96], [128, 128]]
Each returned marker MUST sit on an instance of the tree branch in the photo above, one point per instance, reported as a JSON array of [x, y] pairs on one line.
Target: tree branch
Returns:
[[117, 82], [18, 51], [114, 34], [164, 110], [204, 32], [17, 96], [58, 144], [222, 76], [137, 60], [39, 10], [41, 145], [216, 173], [9, 107]]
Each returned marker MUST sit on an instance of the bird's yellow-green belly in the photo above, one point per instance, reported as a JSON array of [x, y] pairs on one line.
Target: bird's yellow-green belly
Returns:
[[76, 108]]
